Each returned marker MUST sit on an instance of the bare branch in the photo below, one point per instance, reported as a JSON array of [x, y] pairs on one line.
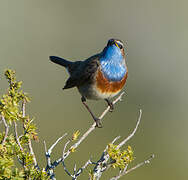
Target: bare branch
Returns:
[[80, 170], [50, 167], [133, 168], [49, 151], [65, 168], [29, 140], [64, 149], [32, 152], [6, 128], [18, 142], [23, 108], [134, 131], [45, 148], [126, 166], [16, 136], [78, 173], [47, 157], [63, 159], [74, 169], [53, 145], [115, 139], [86, 164]]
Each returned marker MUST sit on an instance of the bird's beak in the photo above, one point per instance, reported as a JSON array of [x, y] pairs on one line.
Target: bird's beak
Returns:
[[116, 44]]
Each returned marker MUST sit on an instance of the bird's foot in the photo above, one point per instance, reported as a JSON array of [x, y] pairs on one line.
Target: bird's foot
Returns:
[[98, 122], [110, 104]]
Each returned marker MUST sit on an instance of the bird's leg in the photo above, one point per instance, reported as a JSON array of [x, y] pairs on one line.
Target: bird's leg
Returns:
[[97, 120], [110, 104]]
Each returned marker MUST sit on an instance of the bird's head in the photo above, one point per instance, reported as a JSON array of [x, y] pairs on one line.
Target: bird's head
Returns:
[[114, 50]]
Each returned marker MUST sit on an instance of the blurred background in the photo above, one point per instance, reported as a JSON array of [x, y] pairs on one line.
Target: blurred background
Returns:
[[156, 31]]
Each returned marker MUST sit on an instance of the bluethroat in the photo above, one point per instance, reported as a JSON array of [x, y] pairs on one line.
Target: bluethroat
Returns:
[[101, 76]]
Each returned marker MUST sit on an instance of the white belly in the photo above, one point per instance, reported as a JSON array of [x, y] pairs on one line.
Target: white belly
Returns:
[[91, 92]]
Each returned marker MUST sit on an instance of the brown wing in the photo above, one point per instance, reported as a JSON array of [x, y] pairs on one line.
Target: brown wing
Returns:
[[83, 72]]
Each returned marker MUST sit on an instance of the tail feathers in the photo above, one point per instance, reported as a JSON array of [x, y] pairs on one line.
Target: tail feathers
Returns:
[[60, 61]]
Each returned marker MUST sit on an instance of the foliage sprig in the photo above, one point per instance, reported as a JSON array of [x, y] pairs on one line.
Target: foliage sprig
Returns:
[[16, 145]]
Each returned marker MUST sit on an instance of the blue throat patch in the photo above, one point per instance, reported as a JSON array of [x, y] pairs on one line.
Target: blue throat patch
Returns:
[[112, 63]]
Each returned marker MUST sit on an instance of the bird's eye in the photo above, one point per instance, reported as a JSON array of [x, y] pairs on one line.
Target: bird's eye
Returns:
[[120, 46]]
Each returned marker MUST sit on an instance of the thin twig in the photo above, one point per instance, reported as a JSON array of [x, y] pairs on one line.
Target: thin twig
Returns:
[[66, 170], [32, 152], [64, 149], [120, 172], [49, 151], [53, 145], [23, 108], [50, 166], [78, 173], [6, 128], [63, 159], [74, 169], [45, 148], [115, 139], [48, 160], [125, 169], [16, 136], [134, 131], [80, 140], [18, 142], [133, 168], [29, 140], [104, 158], [99, 168]]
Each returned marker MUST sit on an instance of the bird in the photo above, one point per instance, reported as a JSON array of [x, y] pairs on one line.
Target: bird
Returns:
[[101, 76]]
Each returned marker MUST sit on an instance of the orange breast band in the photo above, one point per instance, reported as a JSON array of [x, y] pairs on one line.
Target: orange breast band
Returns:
[[109, 87]]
